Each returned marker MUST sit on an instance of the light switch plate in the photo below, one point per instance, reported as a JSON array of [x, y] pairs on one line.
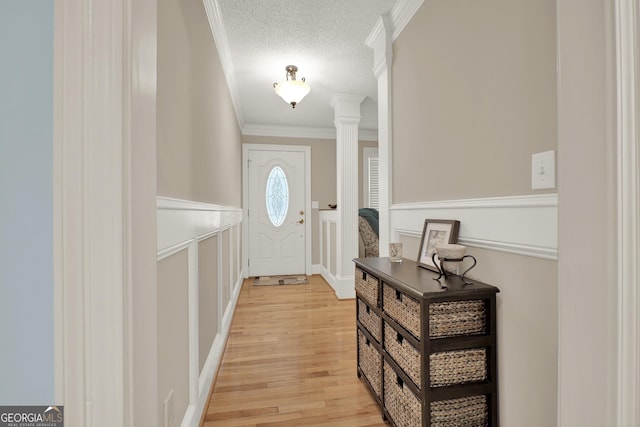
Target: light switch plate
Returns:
[[543, 170], [314, 204]]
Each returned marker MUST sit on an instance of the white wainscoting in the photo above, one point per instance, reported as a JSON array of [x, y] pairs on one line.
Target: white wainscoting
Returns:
[[183, 224], [329, 252], [523, 225]]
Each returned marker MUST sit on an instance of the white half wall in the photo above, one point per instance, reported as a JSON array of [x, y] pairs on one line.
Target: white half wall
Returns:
[[183, 224], [344, 288], [514, 240]]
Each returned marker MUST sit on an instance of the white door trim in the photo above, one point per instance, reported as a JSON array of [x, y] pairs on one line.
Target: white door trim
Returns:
[[104, 214], [88, 212], [245, 198], [628, 150]]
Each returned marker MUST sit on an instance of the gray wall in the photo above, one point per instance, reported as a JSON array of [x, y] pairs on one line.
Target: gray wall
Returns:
[[207, 296], [173, 334], [199, 155], [199, 149], [474, 95], [26, 198], [473, 91]]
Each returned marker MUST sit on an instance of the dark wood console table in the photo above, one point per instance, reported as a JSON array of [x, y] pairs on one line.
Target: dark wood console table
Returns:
[[428, 353]]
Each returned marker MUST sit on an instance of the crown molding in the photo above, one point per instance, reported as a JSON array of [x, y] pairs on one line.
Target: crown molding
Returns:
[[303, 132], [400, 14], [376, 33], [214, 17], [288, 131], [367, 135]]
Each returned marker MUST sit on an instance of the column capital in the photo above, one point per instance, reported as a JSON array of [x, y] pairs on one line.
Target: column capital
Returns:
[[347, 108], [381, 41]]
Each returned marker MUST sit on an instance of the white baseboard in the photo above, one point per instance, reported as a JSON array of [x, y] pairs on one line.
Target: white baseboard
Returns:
[[343, 287], [317, 269], [212, 364], [328, 277]]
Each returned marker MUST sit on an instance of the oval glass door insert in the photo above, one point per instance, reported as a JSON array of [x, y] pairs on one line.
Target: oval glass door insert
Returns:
[[277, 196]]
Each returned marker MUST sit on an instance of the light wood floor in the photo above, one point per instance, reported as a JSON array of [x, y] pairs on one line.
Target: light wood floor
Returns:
[[291, 361]]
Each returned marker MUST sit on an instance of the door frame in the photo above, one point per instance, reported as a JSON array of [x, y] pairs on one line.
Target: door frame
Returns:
[[246, 148]]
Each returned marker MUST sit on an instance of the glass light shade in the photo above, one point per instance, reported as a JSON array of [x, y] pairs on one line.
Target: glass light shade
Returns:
[[292, 91]]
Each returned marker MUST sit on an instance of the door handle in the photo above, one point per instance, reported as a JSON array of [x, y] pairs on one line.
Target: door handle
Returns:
[[301, 221]]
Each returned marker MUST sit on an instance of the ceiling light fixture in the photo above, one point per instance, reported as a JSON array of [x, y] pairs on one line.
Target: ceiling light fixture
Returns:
[[292, 90]]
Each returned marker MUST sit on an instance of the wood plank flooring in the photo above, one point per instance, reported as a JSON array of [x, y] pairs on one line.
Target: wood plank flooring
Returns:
[[291, 361]]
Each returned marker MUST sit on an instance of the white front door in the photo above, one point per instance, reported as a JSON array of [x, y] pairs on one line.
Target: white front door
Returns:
[[277, 214]]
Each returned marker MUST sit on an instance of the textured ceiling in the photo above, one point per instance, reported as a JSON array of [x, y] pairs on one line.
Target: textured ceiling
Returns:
[[324, 38]]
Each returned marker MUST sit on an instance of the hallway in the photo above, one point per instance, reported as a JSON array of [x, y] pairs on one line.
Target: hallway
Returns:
[[123, 229], [291, 360]]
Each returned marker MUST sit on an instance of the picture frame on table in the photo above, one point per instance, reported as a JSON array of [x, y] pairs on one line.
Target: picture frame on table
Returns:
[[436, 231]]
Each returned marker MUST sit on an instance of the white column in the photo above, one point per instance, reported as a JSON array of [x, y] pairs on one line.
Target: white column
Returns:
[[347, 118], [380, 40], [586, 34], [104, 212]]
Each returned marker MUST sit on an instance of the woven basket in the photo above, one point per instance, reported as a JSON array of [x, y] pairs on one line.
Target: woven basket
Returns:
[[404, 354], [404, 309], [399, 401], [368, 287], [370, 362], [464, 412], [453, 318], [369, 319], [457, 367]]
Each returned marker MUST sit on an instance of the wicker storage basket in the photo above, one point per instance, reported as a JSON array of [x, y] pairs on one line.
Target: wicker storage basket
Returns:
[[368, 287], [399, 401], [404, 309], [464, 412], [453, 318], [370, 362], [404, 354], [458, 367], [369, 319]]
